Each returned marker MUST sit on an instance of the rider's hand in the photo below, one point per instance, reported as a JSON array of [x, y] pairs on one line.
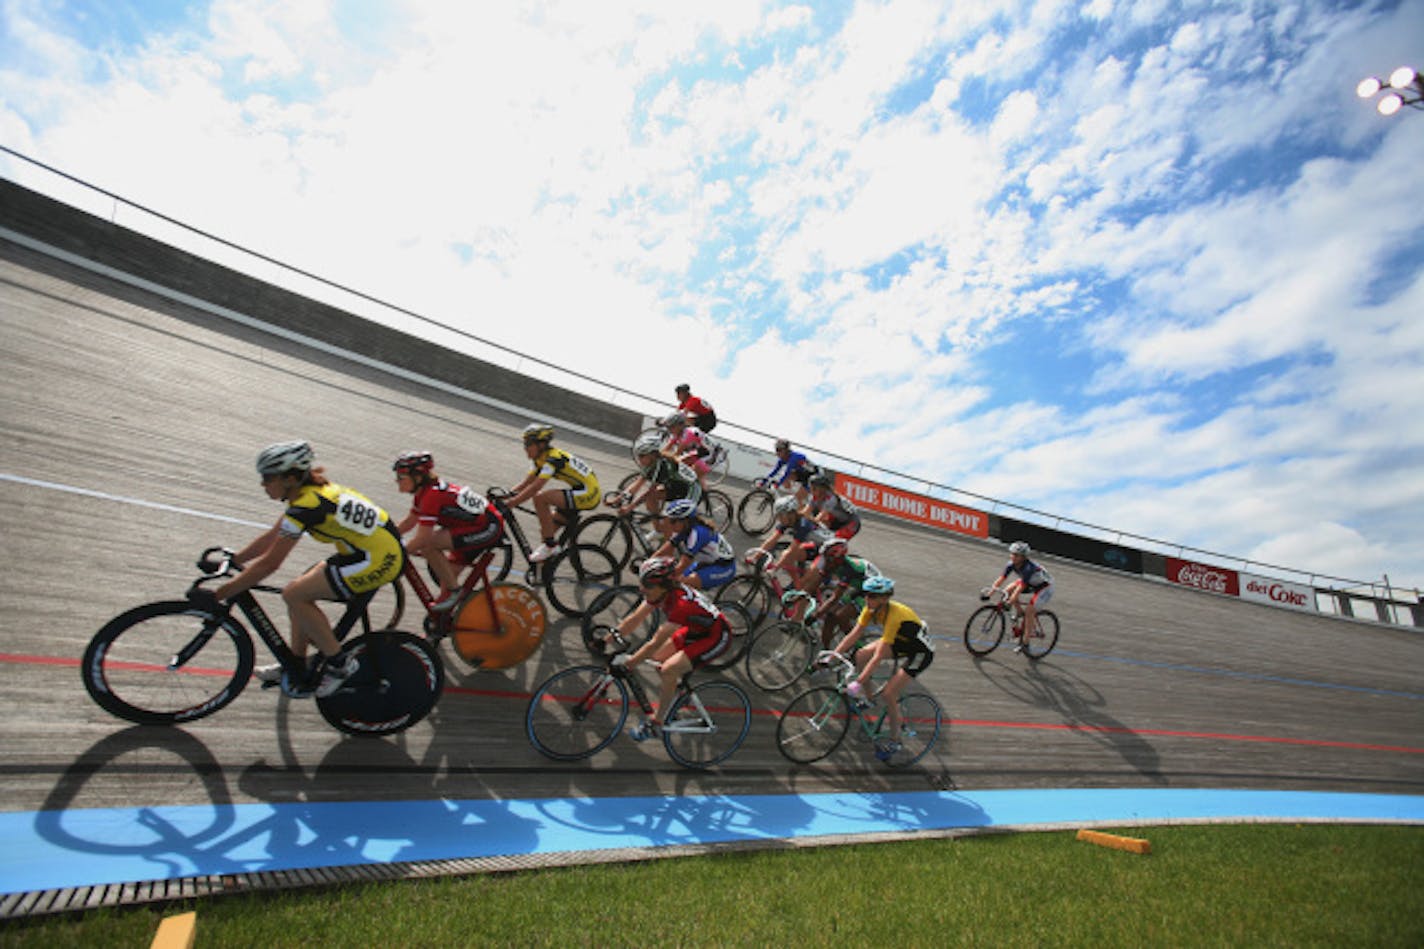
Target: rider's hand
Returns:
[[620, 661], [827, 658], [206, 600], [985, 593]]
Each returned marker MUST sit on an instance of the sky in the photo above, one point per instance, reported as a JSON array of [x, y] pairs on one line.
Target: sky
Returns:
[[1149, 265]]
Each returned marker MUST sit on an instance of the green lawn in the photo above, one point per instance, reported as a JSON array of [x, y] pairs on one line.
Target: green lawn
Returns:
[[1285, 885]]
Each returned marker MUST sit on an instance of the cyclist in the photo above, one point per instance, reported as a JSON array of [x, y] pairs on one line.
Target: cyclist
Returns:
[[903, 635], [660, 478], [831, 509], [834, 568], [369, 554], [692, 633], [698, 410], [1032, 579], [705, 560], [789, 465], [687, 445], [453, 525], [806, 538], [577, 491]]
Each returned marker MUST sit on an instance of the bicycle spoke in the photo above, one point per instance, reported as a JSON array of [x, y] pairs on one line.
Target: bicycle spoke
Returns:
[[707, 725], [813, 725], [576, 713], [921, 718]]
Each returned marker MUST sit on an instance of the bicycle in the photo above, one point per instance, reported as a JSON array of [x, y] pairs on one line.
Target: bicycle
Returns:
[[493, 625], [628, 538], [142, 666], [756, 511], [572, 577], [718, 459], [986, 628], [611, 607], [578, 712], [814, 723]]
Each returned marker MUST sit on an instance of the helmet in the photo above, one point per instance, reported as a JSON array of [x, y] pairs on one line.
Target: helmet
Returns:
[[284, 457], [649, 444], [820, 480], [681, 509], [675, 420], [782, 443], [413, 462], [656, 570], [1020, 548], [683, 387], [538, 432], [875, 585], [835, 547], [785, 505]]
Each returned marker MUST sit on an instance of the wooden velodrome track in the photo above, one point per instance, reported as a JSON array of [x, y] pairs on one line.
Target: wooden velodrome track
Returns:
[[132, 398]]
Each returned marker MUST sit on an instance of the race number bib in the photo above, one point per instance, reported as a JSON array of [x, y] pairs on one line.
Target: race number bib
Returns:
[[357, 514], [470, 501]]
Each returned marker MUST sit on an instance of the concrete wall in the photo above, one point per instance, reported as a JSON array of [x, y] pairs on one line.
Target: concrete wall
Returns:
[[103, 242]]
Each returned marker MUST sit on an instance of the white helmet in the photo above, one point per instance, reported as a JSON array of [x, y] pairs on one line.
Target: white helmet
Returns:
[[649, 444], [785, 505], [1020, 548], [284, 457]]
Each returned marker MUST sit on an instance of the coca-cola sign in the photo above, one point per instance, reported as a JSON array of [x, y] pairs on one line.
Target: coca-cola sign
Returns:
[[1212, 579], [1278, 592]]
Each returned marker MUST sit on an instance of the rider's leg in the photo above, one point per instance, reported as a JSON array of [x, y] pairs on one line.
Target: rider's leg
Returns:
[[309, 623], [435, 555], [674, 668], [890, 696]]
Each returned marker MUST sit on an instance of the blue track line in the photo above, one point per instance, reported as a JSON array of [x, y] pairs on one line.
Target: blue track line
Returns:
[[46, 850]]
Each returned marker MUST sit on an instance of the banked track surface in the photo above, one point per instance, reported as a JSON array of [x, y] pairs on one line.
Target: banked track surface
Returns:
[[130, 423]]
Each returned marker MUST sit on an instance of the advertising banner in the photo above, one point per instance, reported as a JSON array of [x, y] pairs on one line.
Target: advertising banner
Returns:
[[1212, 579], [1072, 546], [1279, 592], [869, 496]]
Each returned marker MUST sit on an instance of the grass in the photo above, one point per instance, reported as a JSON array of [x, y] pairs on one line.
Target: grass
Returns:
[[1254, 885]]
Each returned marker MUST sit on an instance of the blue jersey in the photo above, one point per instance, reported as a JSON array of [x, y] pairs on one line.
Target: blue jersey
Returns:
[[786, 467], [703, 545]]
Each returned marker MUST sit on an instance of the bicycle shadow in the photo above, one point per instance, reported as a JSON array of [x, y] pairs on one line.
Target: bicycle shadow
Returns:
[[1077, 703]]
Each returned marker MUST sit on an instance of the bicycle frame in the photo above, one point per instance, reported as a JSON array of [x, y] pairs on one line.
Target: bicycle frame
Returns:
[[268, 633], [440, 620]]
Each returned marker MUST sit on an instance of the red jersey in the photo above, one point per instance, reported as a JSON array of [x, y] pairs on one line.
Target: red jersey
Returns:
[[693, 611], [454, 508], [692, 407]]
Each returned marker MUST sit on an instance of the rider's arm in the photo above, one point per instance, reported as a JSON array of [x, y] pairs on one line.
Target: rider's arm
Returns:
[[880, 649], [261, 566], [661, 635], [851, 637], [421, 538], [631, 621], [407, 522], [526, 489]]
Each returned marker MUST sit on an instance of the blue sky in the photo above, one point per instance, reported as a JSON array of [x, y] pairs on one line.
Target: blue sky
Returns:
[[1149, 265]]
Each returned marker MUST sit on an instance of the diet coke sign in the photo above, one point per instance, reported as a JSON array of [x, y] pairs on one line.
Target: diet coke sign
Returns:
[[1278, 592], [1212, 579]]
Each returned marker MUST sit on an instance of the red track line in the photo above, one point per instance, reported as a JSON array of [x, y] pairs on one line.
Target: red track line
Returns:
[[956, 722]]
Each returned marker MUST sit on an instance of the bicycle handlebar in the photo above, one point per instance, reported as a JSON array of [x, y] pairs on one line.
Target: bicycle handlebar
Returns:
[[217, 562]]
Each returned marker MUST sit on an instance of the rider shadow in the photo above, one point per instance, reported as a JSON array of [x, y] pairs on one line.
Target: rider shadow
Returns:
[[856, 809], [1079, 704]]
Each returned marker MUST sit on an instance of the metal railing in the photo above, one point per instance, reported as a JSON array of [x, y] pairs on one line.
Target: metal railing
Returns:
[[81, 194]]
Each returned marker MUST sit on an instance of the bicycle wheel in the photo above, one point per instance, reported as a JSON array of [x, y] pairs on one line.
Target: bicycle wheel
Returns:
[[574, 577], [717, 508], [167, 663], [1041, 642], [780, 654], [920, 719], [984, 630], [706, 724], [611, 532], [742, 629], [812, 725], [610, 608], [399, 682], [387, 605], [576, 713], [503, 636], [751, 593], [754, 512]]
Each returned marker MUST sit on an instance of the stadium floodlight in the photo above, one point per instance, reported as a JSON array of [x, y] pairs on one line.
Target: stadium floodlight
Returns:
[[1405, 88]]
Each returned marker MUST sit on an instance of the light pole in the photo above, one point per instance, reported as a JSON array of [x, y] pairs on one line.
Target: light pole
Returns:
[[1405, 87]]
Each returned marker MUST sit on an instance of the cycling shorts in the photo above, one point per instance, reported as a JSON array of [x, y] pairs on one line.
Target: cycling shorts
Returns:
[[916, 652], [583, 499], [469, 545], [363, 571], [713, 575], [1039, 597], [707, 646], [849, 529]]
